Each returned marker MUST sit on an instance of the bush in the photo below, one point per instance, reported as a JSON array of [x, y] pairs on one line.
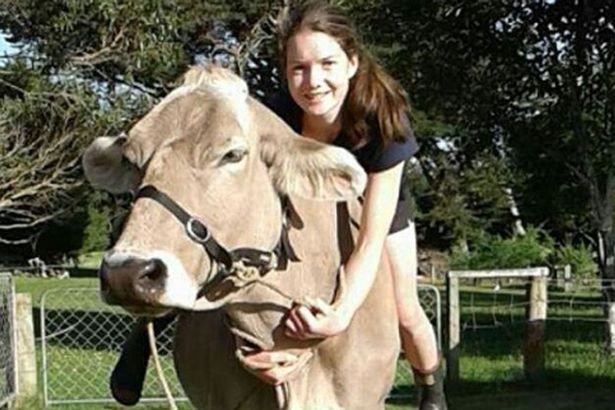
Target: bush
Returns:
[[578, 257], [493, 252], [96, 233]]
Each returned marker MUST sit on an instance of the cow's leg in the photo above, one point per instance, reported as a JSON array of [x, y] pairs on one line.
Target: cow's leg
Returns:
[[417, 335], [127, 377]]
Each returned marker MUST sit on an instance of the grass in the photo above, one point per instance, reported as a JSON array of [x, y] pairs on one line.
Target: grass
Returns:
[[90, 260], [36, 287], [578, 374]]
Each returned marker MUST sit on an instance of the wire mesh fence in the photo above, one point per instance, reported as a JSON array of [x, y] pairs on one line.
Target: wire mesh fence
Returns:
[[81, 338], [494, 321], [7, 340]]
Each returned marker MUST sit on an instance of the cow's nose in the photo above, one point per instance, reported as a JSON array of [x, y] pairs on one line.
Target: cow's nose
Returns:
[[130, 280]]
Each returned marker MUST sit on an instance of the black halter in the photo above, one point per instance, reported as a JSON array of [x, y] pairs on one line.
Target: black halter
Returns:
[[264, 261]]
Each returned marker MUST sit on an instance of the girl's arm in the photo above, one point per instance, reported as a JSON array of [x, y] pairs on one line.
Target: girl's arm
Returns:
[[322, 320]]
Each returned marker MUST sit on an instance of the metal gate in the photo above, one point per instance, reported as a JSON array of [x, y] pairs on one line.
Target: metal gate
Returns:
[[81, 338], [8, 354]]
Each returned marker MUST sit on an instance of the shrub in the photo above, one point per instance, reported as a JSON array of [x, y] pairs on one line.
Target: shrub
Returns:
[[494, 252], [578, 257]]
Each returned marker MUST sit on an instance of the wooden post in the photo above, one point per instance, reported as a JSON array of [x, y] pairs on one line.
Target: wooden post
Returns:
[[610, 323], [567, 279], [453, 333], [534, 343], [26, 353], [559, 276]]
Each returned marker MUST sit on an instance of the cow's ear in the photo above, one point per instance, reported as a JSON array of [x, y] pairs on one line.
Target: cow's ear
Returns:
[[314, 170], [106, 167], [303, 167]]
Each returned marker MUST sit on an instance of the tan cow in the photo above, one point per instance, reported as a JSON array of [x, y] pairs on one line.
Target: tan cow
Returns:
[[224, 160]]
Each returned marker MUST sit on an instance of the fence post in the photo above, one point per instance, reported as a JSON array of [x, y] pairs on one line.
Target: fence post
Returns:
[[534, 343], [609, 311], [26, 353], [567, 278], [453, 331]]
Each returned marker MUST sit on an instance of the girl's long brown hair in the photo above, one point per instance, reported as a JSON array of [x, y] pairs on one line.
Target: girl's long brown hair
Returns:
[[373, 96]]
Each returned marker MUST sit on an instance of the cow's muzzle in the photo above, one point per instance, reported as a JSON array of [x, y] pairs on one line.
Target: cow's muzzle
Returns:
[[132, 281]]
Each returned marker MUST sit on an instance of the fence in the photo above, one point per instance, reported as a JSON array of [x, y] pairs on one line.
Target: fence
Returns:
[[81, 339], [501, 319], [533, 354], [8, 355]]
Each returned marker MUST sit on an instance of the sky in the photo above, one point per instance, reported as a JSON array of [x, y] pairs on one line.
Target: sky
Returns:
[[4, 46]]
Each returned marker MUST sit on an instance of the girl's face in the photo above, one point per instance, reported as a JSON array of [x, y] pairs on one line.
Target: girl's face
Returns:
[[318, 72]]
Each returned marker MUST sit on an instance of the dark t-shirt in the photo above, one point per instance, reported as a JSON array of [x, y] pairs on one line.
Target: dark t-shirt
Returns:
[[373, 156]]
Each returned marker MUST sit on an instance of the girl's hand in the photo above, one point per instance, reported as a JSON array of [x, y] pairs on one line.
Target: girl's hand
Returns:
[[315, 319], [274, 367]]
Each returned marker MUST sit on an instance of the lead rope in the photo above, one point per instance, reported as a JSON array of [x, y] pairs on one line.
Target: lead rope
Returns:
[[248, 275], [159, 372], [282, 395]]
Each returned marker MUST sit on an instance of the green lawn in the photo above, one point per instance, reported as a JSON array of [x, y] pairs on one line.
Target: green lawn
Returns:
[[37, 286]]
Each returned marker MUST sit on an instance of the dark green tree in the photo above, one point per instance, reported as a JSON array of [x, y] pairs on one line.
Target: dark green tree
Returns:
[[86, 68], [530, 81]]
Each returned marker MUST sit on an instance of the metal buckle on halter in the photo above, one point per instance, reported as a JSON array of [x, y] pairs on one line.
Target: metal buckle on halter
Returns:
[[192, 234], [272, 263]]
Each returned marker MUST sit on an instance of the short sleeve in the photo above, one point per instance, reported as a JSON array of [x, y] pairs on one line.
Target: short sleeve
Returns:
[[392, 154], [376, 156]]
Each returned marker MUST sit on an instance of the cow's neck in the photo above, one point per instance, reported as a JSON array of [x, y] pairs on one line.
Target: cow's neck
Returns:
[[321, 236]]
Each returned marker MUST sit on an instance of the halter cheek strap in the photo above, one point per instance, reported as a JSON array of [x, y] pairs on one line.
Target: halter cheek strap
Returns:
[[230, 262]]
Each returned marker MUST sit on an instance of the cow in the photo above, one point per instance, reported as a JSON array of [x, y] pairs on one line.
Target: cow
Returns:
[[236, 219]]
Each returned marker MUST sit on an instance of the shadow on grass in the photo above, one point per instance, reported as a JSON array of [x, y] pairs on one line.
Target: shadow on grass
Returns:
[[560, 390], [579, 372], [492, 335]]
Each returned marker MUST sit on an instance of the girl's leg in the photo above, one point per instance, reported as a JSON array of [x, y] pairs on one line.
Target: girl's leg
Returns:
[[417, 335]]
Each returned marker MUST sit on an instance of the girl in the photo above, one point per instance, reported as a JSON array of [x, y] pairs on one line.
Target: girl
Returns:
[[338, 94]]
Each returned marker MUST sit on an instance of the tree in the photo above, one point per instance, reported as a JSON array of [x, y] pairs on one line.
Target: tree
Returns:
[[530, 81], [88, 68], [468, 170]]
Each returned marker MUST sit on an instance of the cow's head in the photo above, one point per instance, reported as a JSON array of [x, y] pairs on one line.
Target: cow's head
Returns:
[[224, 158]]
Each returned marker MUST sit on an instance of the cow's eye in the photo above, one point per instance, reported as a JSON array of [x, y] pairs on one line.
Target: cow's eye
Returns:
[[234, 155]]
